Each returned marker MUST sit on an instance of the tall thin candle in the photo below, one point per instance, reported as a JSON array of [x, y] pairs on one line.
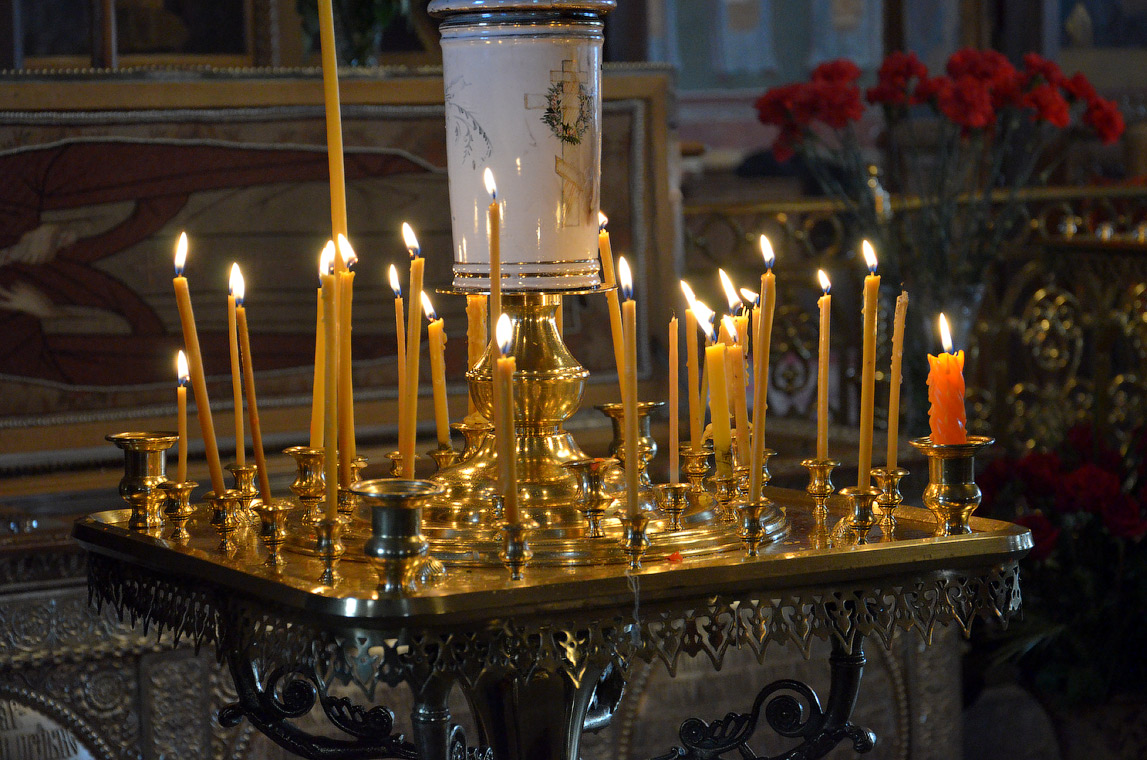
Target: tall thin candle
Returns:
[[494, 233], [719, 406], [735, 367], [825, 305], [236, 377], [613, 302], [239, 289], [868, 368], [400, 338], [762, 347], [436, 339], [330, 381], [334, 118], [183, 375], [347, 444], [894, 380], [505, 436], [629, 388], [476, 338], [692, 371], [317, 387], [408, 433], [674, 403]]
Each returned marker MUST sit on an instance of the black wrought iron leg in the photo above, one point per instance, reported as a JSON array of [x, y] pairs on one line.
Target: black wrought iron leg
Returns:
[[430, 719]]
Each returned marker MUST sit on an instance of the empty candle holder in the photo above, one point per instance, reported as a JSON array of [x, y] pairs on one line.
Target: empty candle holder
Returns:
[[695, 466], [329, 547], [888, 481], [309, 485], [396, 548], [474, 430], [395, 458], [862, 518], [742, 473], [357, 465], [820, 485], [226, 517], [751, 529], [952, 494], [178, 509], [515, 553], [244, 478], [766, 455], [443, 456], [273, 529], [726, 496], [634, 541], [592, 500], [144, 467], [672, 500]]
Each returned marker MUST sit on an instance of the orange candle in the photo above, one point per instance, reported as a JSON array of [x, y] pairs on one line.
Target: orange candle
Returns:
[[692, 371], [182, 373], [946, 416], [613, 302], [408, 433], [894, 383], [505, 435], [334, 118], [674, 412], [347, 446], [399, 336], [317, 393], [629, 389], [198, 379], [249, 389], [330, 380], [868, 368], [436, 338], [825, 304], [236, 377], [762, 347]]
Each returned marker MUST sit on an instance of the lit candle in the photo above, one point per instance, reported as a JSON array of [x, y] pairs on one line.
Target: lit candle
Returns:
[[436, 339], [182, 374], [612, 300], [735, 367], [347, 445], [868, 368], [825, 304], [317, 385], [736, 309], [946, 416], [494, 232], [330, 380], [399, 336], [762, 347], [236, 379], [505, 436], [476, 338], [692, 379], [629, 387], [719, 406], [408, 432], [894, 382], [334, 118], [198, 380], [239, 290], [674, 412]]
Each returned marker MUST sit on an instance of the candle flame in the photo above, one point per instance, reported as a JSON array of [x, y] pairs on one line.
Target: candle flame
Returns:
[[705, 317], [237, 286], [825, 285], [624, 278], [181, 370], [751, 297], [491, 188], [869, 255], [504, 333], [946, 334], [394, 284], [730, 327], [767, 252], [411, 240], [350, 258], [327, 259], [730, 291], [690, 297], [180, 254], [428, 308], [602, 220]]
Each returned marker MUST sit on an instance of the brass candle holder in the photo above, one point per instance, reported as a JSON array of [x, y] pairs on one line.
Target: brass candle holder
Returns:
[[672, 500], [888, 481], [695, 467], [178, 509], [309, 485], [226, 517], [766, 455], [863, 518], [820, 485], [593, 501], [144, 469], [243, 476], [474, 430], [396, 461], [329, 547], [752, 531], [952, 494], [273, 529], [516, 552], [727, 492], [396, 548], [444, 456], [742, 473], [634, 541]]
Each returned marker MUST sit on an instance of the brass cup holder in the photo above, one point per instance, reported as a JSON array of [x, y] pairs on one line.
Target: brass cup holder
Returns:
[[396, 462], [695, 467], [178, 509], [396, 548], [593, 501], [820, 485], [516, 553], [329, 547], [474, 431], [751, 529], [952, 494], [727, 494], [226, 517], [357, 465], [888, 481], [309, 485], [244, 479], [444, 456], [634, 541], [672, 499], [144, 469], [273, 529], [863, 518], [742, 473]]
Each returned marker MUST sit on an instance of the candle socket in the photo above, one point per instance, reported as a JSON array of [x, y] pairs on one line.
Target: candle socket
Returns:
[[742, 473], [473, 435], [820, 483], [395, 458], [592, 499], [515, 553], [751, 529], [766, 455], [634, 541], [863, 518], [329, 547], [309, 485], [273, 529], [672, 499], [357, 465], [347, 501], [226, 517], [178, 509], [144, 468], [952, 494], [396, 548], [443, 456], [727, 494], [695, 467], [244, 478], [646, 447], [888, 481]]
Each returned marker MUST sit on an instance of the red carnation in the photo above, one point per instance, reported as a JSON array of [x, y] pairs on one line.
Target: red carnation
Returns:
[[1088, 488], [1044, 534], [930, 88], [1078, 88], [988, 66], [895, 77], [1049, 105], [1104, 117], [836, 103], [1036, 65], [1123, 517], [968, 103], [840, 70]]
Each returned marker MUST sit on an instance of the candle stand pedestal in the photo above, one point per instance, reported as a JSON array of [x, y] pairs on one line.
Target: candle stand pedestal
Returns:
[[144, 471]]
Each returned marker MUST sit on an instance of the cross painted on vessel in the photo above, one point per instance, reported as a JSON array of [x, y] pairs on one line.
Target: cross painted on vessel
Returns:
[[568, 110]]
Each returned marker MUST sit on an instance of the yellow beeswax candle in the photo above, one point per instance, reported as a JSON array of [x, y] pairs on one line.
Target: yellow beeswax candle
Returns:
[[494, 233], [629, 389], [195, 358], [868, 368], [476, 338], [674, 411], [347, 446], [408, 433], [719, 408], [182, 373], [613, 302], [317, 392], [692, 372], [735, 368], [236, 377], [505, 435], [334, 118], [436, 340], [330, 380], [762, 347], [249, 389], [946, 415], [894, 380], [399, 337], [825, 305]]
